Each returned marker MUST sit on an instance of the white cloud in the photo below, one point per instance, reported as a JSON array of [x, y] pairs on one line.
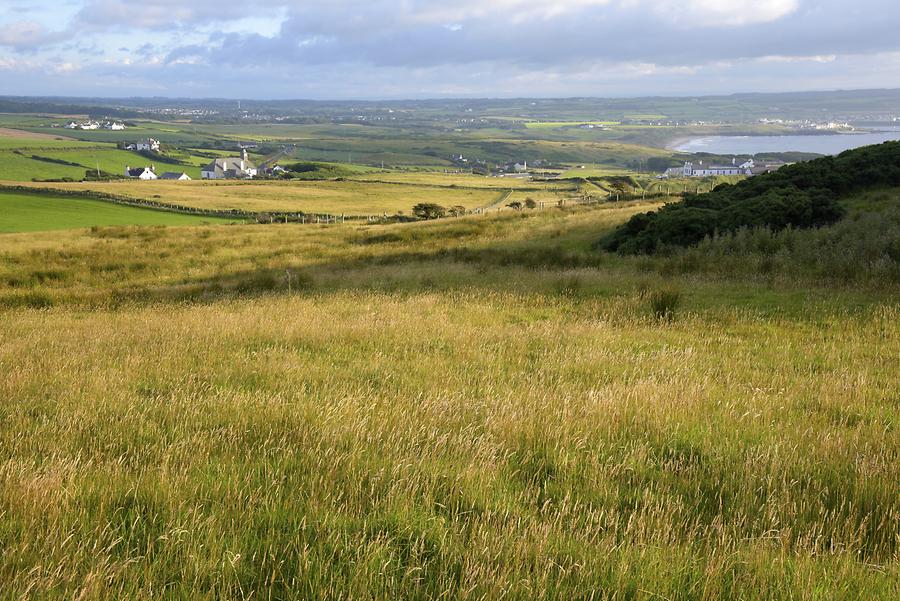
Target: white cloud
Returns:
[[688, 12], [818, 58], [27, 35], [710, 13]]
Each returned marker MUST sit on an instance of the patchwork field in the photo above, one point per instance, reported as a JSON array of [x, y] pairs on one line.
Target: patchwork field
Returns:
[[36, 213], [26, 159]]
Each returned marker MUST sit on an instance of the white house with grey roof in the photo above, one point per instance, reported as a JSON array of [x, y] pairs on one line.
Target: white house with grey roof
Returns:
[[229, 168], [175, 176], [144, 173]]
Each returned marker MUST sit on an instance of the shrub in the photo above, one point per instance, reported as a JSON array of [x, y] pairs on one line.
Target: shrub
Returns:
[[663, 303], [429, 210], [804, 195]]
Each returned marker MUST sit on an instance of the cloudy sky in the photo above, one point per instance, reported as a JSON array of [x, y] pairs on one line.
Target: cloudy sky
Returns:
[[332, 49]]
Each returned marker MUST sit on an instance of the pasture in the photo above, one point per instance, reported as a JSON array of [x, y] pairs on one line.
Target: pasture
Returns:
[[472, 408], [25, 159], [40, 212], [335, 197]]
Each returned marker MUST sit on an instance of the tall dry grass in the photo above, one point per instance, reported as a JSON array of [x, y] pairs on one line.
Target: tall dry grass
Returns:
[[418, 420]]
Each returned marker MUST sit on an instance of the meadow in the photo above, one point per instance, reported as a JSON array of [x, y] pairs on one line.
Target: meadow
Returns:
[[25, 159], [333, 197], [473, 408], [37, 213]]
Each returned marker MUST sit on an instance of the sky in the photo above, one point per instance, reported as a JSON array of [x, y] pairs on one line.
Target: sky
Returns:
[[391, 49]]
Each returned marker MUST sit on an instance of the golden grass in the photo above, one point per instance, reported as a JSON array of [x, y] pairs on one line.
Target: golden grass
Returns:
[[350, 197], [441, 410], [437, 178]]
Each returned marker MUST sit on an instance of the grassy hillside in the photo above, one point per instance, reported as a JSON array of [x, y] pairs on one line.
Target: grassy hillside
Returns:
[[27, 159], [472, 408], [804, 195], [37, 213]]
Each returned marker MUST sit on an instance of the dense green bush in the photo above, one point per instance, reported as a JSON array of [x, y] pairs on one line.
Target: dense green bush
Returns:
[[429, 210], [801, 196], [863, 247]]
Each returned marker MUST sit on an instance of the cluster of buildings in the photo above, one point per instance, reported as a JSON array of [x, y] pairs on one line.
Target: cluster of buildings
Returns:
[[223, 168], [111, 125], [810, 125], [747, 168]]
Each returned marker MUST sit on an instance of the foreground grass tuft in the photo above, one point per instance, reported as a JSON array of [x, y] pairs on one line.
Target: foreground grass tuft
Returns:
[[664, 303]]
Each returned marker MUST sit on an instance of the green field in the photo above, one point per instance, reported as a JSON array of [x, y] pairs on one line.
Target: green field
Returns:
[[36, 213], [26, 159]]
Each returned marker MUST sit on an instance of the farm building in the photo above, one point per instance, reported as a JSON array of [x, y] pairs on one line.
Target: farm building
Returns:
[[172, 175], [85, 125], [145, 173], [712, 170], [241, 168], [748, 168], [149, 144]]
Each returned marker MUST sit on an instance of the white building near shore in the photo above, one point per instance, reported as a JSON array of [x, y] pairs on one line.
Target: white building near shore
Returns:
[[689, 170]]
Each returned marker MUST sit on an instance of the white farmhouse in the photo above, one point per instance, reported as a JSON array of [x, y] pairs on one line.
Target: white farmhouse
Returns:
[[144, 173], [241, 168]]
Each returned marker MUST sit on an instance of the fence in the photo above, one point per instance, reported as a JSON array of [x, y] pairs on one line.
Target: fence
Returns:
[[299, 216]]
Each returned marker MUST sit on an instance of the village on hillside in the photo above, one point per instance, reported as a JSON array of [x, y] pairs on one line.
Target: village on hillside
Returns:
[[221, 168]]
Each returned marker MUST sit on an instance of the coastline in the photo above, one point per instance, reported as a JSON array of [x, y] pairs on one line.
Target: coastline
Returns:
[[801, 142], [672, 144]]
